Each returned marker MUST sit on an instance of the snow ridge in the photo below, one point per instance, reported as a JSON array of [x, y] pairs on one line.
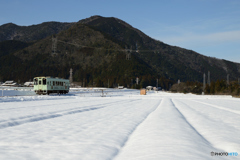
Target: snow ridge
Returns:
[[219, 127], [133, 130], [190, 125]]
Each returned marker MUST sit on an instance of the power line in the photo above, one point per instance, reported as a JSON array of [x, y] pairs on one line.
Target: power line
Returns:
[[55, 40]]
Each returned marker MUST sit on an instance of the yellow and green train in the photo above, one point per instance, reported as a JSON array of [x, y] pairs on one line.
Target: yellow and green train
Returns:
[[47, 85]]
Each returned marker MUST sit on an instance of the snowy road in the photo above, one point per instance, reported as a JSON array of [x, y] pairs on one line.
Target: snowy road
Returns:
[[123, 125]]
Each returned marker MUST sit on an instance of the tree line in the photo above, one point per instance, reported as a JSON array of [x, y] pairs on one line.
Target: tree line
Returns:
[[219, 87]]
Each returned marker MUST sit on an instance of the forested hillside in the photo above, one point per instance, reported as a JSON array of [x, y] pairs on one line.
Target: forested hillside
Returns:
[[102, 50]]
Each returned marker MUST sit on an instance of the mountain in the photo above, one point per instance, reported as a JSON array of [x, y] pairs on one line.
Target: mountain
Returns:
[[97, 48], [12, 31], [171, 61]]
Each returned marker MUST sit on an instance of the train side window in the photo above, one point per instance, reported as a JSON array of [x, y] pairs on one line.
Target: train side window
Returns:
[[35, 82], [44, 81], [54, 83]]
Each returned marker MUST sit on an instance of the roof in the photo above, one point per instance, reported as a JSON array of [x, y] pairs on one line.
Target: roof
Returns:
[[28, 83], [52, 78], [9, 82]]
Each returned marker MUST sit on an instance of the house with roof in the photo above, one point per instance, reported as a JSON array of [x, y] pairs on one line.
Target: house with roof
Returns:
[[9, 83], [28, 84]]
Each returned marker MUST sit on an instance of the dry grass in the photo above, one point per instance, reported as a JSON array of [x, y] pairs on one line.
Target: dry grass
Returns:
[[236, 96]]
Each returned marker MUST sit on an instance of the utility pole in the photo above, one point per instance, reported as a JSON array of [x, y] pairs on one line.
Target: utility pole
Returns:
[[209, 82], [54, 45], [128, 54], [227, 79], [70, 78], [204, 82], [137, 48], [126, 50], [137, 79]]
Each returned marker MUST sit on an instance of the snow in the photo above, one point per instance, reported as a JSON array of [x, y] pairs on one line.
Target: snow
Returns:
[[118, 124]]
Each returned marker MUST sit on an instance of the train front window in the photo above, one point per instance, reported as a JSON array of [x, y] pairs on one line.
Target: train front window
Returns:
[[40, 82], [36, 81], [44, 81]]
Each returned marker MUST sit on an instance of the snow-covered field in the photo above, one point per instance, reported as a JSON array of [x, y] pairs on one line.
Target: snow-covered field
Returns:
[[118, 124]]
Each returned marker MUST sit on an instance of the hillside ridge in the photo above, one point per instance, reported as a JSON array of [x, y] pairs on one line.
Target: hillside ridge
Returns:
[[103, 57]]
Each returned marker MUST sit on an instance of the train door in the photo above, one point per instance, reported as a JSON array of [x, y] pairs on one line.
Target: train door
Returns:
[[40, 84]]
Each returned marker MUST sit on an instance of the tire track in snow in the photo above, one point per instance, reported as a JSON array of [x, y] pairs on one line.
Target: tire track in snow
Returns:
[[46, 105], [50, 115], [42, 100], [56, 112], [218, 107], [17, 122], [216, 119], [99, 121], [222, 136]]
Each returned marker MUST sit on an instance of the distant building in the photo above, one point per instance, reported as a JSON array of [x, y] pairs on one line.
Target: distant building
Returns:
[[9, 83], [156, 88], [149, 88], [28, 84], [120, 87]]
